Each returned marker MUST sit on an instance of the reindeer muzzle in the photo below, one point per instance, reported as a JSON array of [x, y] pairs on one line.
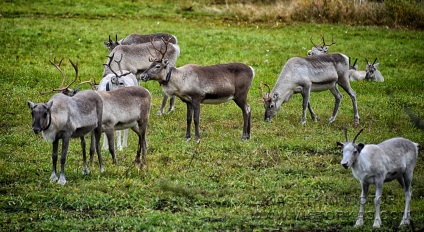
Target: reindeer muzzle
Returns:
[[345, 165]]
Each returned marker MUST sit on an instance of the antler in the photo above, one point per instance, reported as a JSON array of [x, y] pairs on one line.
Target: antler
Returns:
[[357, 135], [61, 87], [158, 50], [374, 61], [328, 45], [91, 82], [265, 98], [317, 46], [119, 65]]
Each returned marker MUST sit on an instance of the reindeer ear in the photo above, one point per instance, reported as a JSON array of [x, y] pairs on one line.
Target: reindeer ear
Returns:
[[339, 144], [359, 147], [106, 43], [49, 105], [165, 62], [376, 65], [31, 105]]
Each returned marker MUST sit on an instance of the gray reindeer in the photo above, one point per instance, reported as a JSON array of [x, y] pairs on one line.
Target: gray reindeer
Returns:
[[136, 60], [64, 117], [139, 39], [372, 73], [311, 74]]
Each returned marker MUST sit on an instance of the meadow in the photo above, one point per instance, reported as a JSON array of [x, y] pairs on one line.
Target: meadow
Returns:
[[286, 177]]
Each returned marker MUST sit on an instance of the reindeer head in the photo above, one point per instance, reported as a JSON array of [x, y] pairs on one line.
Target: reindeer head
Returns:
[[319, 49], [41, 116], [159, 64], [65, 89], [111, 44], [270, 103], [116, 79], [371, 70], [350, 150]]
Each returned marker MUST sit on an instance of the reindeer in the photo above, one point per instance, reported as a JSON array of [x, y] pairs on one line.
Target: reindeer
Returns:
[[112, 81], [136, 60], [64, 117], [372, 73], [139, 39], [310, 74], [320, 49], [393, 159], [195, 85]]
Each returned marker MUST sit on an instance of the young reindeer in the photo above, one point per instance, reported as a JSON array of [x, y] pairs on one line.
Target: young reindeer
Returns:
[[64, 117], [372, 73], [311, 74], [195, 85], [136, 60], [320, 49], [393, 159], [112, 81], [139, 39]]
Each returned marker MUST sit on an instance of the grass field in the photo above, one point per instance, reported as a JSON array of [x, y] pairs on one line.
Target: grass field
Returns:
[[287, 177]]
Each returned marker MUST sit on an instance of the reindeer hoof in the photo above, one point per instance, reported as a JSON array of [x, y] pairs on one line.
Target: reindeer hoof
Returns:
[[159, 113]]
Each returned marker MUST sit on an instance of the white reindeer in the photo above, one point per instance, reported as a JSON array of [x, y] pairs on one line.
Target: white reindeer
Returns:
[[195, 85], [311, 74], [393, 159], [64, 117], [372, 73]]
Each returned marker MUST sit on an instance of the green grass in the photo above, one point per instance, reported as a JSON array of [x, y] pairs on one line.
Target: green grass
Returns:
[[287, 177]]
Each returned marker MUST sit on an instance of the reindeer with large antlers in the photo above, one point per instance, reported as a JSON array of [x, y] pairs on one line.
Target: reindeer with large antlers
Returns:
[[64, 117], [320, 49], [197, 85], [136, 60]]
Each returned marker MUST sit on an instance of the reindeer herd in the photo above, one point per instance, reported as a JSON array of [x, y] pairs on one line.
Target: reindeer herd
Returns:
[[118, 103]]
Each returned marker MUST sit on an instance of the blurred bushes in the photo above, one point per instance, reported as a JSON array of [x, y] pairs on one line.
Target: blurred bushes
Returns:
[[391, 13]]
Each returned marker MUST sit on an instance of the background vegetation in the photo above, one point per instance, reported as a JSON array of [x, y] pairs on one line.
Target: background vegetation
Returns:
[[287, 177]]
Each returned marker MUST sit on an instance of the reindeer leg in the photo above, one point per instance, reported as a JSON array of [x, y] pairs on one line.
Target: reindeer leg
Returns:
[[346, 86], [245, 108], [190, 111], [197, 120], [125, 139], [84, 156], [65, 145], [53, 177], [405, 181], [105, 143], [140, 130], [378, 192], [171, 104], [97, 134], [109, 132], [362, 201], [92, 147], [313, 115], [338, 96], [118, 139], [305, 94], [162, 106]]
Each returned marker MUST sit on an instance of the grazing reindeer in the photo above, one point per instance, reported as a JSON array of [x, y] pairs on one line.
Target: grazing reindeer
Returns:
[[372, 73], [311, 74], [195, 84], [64, 117], [320, 49], [139, 39], [136, 60], [393, 159], [114, 81]]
